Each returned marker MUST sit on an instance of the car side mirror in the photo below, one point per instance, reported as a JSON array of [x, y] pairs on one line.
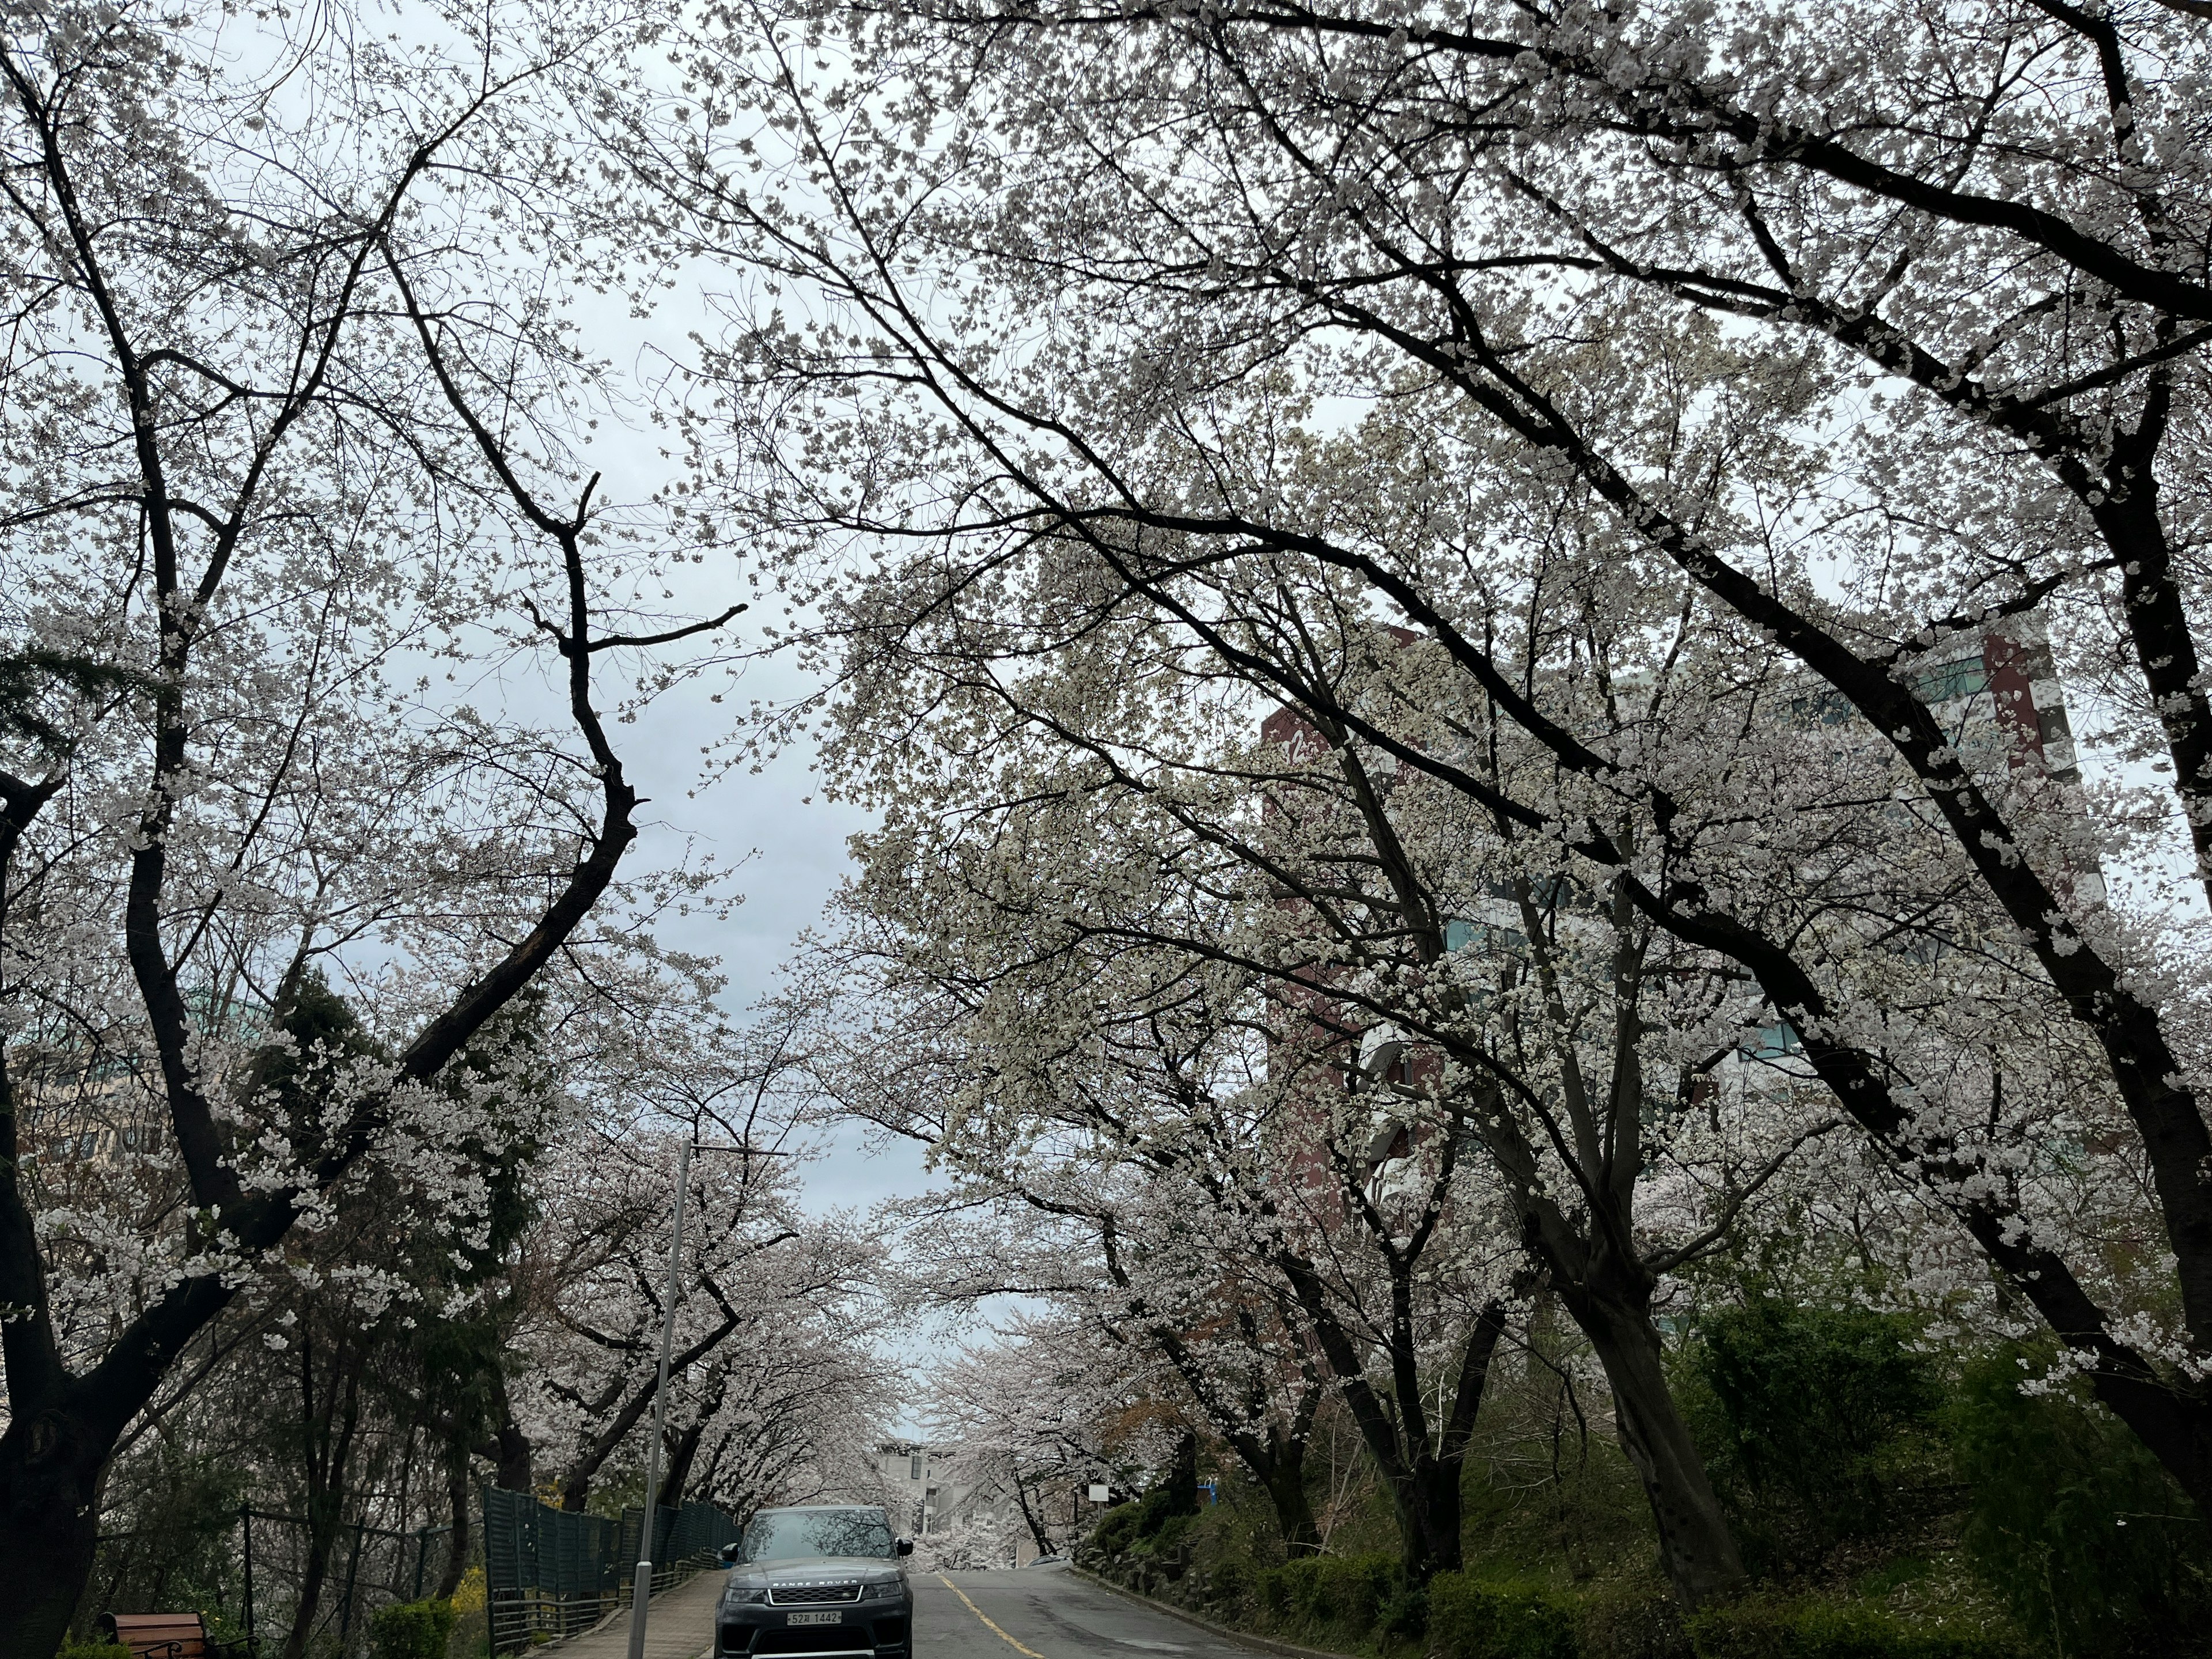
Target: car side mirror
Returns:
[[729, 1553], [906, 1546]]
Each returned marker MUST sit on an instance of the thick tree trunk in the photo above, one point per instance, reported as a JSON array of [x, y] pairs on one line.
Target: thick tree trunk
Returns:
[[686, 1452], [1285, 1479], [458, 1494], [1427, 1500], [49, 1469], [515, 1473], [1697, 1550], [511, 1447], [1033, 1520], [1182, 1482]]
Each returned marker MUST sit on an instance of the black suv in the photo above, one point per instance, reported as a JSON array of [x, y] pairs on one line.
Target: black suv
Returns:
[[830, 1579]]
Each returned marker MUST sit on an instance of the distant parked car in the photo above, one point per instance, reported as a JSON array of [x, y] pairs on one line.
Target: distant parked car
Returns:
[[826, 1580]]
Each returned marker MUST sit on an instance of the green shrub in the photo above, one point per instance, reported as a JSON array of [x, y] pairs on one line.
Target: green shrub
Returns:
[[1630, 1621], [1799, 1411], [411, 1630], [1346, 1590], [1404, 1612], [1812, 1628], [1490, 1619], [1349, 1589], [1232, 1581], [1116, 1529], [2070, 1519], [1158, 1521], [1172, 1532], [93, 1651]]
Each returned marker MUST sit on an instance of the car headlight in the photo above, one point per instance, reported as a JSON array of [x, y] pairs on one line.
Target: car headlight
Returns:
[[884, 1592], [748, 1595]]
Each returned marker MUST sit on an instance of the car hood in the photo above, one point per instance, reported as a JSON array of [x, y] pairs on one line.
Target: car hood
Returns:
[[818, 1570]]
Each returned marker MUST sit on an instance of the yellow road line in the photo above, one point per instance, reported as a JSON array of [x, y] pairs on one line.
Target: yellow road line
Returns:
[[986, 1618]]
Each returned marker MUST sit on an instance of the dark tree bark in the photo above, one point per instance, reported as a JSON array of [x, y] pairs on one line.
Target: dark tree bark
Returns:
[[1280, 1468], [1033, 1519], [1611, 1306], [459, 1496], [1421, 1466], [330, 1418], [1272, 1450]]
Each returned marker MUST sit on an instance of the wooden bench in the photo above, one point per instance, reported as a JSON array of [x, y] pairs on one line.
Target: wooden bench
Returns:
[[165, 1636]]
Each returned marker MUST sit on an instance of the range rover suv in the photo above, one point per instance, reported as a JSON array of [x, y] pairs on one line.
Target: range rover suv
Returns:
[[830, 1579]]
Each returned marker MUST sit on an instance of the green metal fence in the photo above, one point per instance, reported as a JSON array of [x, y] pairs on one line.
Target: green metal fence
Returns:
[[548, 1572]]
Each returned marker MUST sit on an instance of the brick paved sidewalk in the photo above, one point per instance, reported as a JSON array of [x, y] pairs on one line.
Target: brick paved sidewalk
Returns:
[[680, 1625]]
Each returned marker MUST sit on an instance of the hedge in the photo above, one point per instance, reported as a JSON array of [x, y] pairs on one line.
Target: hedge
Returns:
[[1763, 1628], [1490, 1619], [1330, 1589], [411, 1630]]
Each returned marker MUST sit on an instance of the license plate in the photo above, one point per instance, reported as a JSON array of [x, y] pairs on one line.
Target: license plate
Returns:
[[831, 1617]]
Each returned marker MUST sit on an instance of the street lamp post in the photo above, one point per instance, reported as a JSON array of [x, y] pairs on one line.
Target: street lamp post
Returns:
[[641, 1591]]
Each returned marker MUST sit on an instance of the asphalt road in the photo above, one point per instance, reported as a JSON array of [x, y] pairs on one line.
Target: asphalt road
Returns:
[[1046, 1613]]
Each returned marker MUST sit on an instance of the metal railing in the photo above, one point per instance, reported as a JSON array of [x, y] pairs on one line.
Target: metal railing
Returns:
[[549, 1572]]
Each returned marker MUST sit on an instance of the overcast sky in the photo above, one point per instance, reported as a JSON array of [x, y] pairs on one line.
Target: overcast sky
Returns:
[[790, 842]]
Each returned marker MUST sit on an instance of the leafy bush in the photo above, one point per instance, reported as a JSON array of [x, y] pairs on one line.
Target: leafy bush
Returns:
[[469, 1597], [1404, 1612], [1172, 1531], [1330, 1589], [1630, 1621], [1812, 1628], [1232, 1581], [1799, 1410], [411, 1630], [93, 1651], [1349, 1590], [2071, 1520], [1489, 1619], [1116, 1529]]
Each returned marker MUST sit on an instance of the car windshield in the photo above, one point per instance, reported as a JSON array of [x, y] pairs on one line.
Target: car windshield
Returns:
[[796, 1534]]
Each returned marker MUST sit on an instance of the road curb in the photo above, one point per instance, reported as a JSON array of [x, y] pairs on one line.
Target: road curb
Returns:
[[1265, 1643]]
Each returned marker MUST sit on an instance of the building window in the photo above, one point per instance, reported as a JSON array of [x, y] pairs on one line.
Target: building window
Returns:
[[1966, 678], [913, 1466]]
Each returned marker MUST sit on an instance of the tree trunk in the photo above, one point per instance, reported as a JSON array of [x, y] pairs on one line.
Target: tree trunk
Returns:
[[457, 1540], [49, 1467], [327, 1437], [1182, 1483], [1035, 1520], [512, 1446], [1697, 1550], [321, 1541], [1419, 1462], [1285, 1479], [1426, 1498], [680, 1459]]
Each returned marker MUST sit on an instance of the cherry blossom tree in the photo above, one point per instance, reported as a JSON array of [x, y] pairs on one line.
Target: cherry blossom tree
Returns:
[[319, 629], [1035, 1408], [1174, 1119], [1817, 357], [774, 1309]]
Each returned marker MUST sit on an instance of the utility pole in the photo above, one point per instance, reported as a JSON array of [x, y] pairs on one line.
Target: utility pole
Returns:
[[641, 1591]]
